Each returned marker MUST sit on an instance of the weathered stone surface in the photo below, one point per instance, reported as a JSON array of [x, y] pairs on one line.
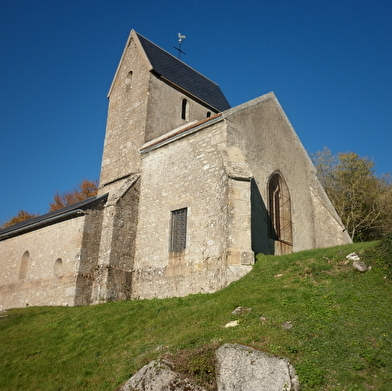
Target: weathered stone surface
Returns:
[[360, 266], [157, 376], [353, 257], [357, 263], [241, 311], [287, 325], [240, 368], [52, 265], [232, 323]]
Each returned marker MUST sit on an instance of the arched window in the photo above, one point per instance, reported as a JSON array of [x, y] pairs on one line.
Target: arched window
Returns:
[[208, 114], [24, 265], [58, 267], [279, 209], [184, 110]]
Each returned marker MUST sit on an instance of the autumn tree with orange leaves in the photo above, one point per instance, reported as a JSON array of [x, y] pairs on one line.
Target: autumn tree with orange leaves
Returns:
[[85, 189], [21, 216]]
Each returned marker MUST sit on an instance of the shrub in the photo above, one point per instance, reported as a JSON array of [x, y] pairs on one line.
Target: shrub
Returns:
[[384, 250], [381, 254]]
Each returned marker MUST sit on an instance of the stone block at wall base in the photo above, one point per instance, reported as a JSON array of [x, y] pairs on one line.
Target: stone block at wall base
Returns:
[[234, 272], [119, 284], [111, 284], [236, 256]]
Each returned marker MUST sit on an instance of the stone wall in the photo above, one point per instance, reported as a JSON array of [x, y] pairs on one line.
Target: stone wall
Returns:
[[165, 109], [264, 134], [188, 173], [142, 107], [113, 275], [54, 261], [127, 116], [89, 255], [41, 267]]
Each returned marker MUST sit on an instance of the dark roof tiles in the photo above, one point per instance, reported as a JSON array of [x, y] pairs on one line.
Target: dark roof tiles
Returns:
[[182, 75]]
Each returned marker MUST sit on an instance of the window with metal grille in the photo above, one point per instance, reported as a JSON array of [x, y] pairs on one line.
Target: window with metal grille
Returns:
[[178, 230]]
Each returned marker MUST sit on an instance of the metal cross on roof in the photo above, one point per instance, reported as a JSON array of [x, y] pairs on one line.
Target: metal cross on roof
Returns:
[[180, 39]]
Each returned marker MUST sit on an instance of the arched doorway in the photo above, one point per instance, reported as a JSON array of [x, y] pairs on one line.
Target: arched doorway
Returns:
[[279, 207]]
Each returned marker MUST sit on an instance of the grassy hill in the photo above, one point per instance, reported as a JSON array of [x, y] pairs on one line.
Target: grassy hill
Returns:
[[333, 322]]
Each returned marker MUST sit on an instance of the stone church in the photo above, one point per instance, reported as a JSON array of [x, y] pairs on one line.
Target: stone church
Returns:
[[190, 190]]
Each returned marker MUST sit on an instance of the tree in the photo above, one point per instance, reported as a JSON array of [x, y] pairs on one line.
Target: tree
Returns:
[[362, 199], [86, 189], [21, 216]]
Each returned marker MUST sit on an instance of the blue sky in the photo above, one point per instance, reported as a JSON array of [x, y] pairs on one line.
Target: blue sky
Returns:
[[329, 63]]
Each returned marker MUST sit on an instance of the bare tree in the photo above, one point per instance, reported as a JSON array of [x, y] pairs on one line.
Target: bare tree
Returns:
[[362, 199]]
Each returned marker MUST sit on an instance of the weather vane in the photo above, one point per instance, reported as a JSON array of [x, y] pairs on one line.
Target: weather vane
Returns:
[[180, 38]]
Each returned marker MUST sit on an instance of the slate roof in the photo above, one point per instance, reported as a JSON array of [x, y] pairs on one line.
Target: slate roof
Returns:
[[182, 75], [51, 218]]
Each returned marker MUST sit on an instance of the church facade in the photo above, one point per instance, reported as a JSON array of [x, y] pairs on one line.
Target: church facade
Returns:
[[190, 190]]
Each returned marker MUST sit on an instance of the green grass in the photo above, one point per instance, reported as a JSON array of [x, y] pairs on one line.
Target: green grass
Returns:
[[341, 337]]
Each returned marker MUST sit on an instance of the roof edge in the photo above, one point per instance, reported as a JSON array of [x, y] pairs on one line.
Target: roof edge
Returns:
[[132, 35], [250, 103], [192, 96], [179, 133], [68, 212]]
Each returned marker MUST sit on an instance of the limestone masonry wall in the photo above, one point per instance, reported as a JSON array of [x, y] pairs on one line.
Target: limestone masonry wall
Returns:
[[188, 174], [113, 275], [127, 116], [270, 145], [41, 267], [165, 109]]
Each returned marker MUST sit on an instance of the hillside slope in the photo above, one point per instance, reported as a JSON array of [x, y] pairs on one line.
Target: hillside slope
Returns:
[[331, 321]]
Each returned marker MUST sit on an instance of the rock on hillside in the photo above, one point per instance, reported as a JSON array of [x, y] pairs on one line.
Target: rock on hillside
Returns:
[[238, 368]]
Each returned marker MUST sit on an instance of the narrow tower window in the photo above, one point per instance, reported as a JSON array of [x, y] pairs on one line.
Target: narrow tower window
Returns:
[[128, 81], [178, 230], [208, 114], [184, 110]]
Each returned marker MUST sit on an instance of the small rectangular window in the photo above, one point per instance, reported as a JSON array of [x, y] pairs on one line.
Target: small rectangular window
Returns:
[[178, 230]]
